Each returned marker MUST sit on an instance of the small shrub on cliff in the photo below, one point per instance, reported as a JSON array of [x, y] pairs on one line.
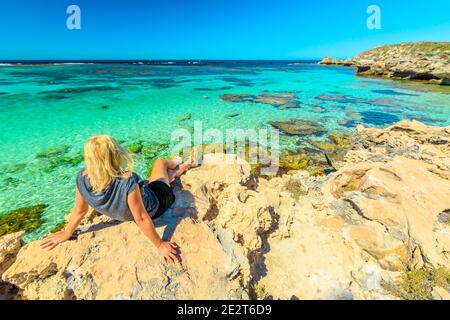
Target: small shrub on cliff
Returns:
[[27, 219], [258, 291], [419, 284], [295, 189]]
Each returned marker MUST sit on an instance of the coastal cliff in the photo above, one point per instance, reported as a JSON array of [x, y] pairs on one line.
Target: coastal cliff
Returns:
[[376, 228], [421, 61]]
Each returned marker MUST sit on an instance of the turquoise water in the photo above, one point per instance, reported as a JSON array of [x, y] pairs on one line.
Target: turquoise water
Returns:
[[61, 106]]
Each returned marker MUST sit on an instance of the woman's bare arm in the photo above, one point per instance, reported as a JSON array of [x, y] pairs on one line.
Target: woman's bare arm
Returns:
[[77, 214], [145, 224]]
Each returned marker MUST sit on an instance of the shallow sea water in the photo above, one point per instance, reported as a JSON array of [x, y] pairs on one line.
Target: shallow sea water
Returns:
[[50, 106]]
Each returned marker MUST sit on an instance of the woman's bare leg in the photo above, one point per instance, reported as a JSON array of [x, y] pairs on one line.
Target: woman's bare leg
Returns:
[[167, 170]]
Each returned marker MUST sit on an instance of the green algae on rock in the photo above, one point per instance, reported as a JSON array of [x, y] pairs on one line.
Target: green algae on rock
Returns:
[[340, 139], [60, 226], [23, 219], [292, 162], [334, 149], [134, 147], [307, 159]]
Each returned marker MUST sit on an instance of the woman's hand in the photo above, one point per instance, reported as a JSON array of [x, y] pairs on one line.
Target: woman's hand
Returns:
[[167, 250], [53, 239]]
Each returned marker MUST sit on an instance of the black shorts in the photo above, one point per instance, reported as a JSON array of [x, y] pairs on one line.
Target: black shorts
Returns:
[[164, 194]]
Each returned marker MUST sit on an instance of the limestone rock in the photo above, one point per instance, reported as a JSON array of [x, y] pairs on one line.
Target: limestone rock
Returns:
[[422, 61], [298, 236], [390, 214], [118, 262], [9, 246]]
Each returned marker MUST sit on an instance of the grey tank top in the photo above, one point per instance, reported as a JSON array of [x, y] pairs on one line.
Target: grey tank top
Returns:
[[113, 200]]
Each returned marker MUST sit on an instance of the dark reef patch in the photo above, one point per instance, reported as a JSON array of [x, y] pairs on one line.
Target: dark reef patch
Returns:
[[394, 93], [348, 123], [339, 98], [239, 82], [214, 89], [378, 118], [9, 183], [78, 90], [164, 83], [386, 102]]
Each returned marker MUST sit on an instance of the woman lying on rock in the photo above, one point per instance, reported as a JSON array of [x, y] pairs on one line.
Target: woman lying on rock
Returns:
[[109, 186]]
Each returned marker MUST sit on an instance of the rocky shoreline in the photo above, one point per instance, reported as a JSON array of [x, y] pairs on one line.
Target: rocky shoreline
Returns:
[[376, 228], [420, 61]]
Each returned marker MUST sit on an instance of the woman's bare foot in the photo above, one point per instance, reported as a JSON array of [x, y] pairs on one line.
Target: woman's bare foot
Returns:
[[193, 158], [185, 166]]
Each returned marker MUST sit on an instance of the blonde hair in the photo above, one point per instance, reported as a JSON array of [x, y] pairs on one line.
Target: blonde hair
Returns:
[[105, 160]]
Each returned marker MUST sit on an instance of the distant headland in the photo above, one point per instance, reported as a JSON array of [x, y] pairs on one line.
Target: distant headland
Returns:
[[420, 61]]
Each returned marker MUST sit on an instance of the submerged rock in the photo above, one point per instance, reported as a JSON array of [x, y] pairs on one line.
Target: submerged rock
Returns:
[[23, 219], [12, 168], [184, 117], [233, 115], [378, 118], [299, 127], [279, 100], [65, 160], [318, 110], [244, 97], [340, 98], [52, 152]]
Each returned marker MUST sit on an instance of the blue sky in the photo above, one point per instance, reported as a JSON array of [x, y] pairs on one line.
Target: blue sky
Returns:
[[213, 29]]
